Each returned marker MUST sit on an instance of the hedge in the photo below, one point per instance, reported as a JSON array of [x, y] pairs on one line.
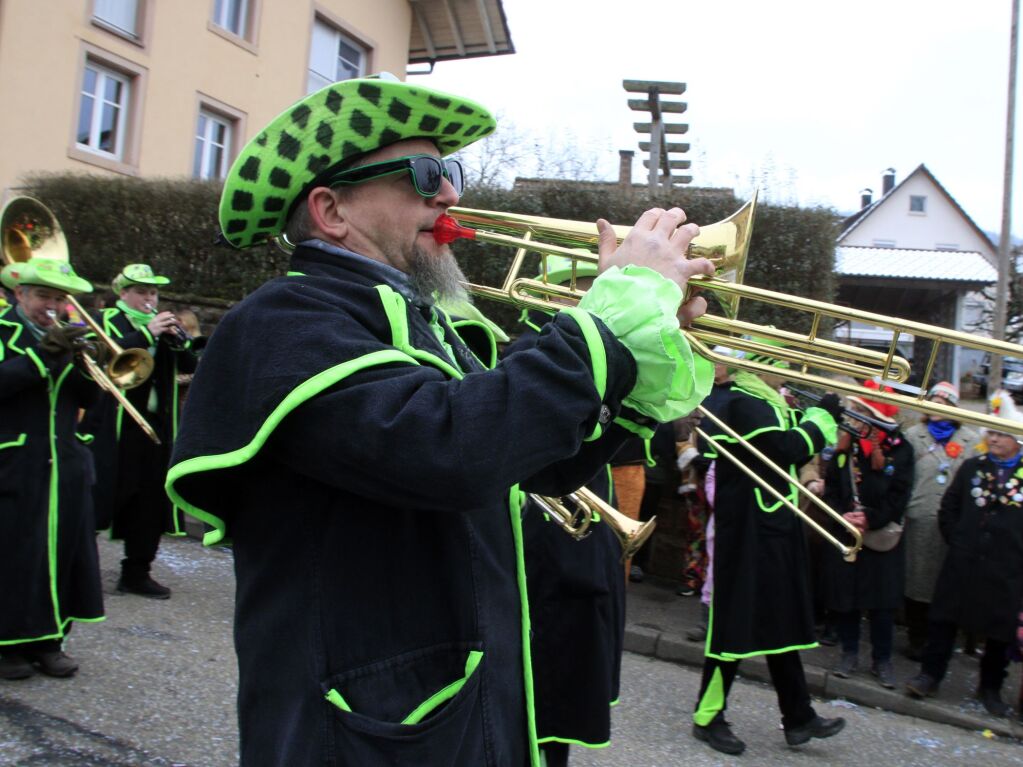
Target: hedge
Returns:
[[172, 225]]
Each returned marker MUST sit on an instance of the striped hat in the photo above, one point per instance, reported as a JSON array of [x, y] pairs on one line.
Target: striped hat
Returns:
[[946, 390]]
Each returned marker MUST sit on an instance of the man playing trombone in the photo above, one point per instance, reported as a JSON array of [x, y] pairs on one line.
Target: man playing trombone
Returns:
[[49, 567], [131, 468], [761, 600], [365, 460]]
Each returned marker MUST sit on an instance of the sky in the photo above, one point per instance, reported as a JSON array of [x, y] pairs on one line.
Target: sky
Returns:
[[809, 99]]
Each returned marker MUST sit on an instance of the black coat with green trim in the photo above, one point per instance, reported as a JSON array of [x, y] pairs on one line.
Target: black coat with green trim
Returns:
[[876, 579], [49, 569], [577, 613], [761, 601], [119, 442], [366, 488]]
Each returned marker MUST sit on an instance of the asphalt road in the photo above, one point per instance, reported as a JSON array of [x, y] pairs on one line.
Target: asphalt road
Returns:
[[157, 683]]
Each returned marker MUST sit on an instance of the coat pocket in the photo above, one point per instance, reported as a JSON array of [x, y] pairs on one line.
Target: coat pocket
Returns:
[[421, 707]]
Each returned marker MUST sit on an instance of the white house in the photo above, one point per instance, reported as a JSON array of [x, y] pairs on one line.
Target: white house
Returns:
[[915, 253]]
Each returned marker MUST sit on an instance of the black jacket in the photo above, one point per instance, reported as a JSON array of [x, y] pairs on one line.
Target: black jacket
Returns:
[[126, 459], [761, 601], [368, 487], [980, 587], [49, 568]]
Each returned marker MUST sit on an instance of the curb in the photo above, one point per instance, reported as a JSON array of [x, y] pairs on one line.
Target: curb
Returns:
[[645, 640]]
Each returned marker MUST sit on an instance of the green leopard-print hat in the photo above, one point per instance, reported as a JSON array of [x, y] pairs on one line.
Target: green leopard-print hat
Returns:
[[334, 124]]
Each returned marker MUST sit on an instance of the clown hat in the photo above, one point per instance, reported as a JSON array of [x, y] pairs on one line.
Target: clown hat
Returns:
[[47, 273], [306, 143], [882, 411], [137, 274]]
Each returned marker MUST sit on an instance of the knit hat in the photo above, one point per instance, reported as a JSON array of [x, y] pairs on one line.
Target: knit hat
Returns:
[[303, 146], [137, 274], [946, 390], [882, 411], [47, 273]]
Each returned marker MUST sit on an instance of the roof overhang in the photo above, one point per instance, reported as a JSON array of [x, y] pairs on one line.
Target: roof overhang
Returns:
[[457, 29], [967, 268]]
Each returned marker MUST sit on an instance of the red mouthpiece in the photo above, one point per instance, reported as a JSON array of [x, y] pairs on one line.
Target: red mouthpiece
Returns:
[[446, 229]]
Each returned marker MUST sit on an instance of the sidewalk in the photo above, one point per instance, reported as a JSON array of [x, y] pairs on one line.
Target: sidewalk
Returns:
[[657, 620]]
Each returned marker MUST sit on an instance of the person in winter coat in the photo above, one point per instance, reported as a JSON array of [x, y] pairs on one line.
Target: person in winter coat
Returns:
[[367, 458], [576, 592], [868, 479], [130, 467], [940, 447], [760, 604], [49, 566], [980, 586]]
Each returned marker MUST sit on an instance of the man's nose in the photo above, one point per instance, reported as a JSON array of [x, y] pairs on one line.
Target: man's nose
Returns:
[[447, 196]]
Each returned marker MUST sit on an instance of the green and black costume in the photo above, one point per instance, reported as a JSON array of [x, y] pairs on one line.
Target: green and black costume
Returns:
[[130, 468], [365, 465], [49, 567], [761, 603]]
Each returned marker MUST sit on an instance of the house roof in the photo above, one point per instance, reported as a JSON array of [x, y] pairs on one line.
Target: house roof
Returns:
[[854, 220], [457, 29], [903, 263]]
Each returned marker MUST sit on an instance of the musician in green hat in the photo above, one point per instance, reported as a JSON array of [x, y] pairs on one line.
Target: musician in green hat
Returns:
[[130, 467], [49, 566], [365, 455]]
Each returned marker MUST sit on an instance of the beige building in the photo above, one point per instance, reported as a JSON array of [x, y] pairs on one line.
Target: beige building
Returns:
[[156, 88]]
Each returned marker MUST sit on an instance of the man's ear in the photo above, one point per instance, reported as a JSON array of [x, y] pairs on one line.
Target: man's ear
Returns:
[[326, 215]]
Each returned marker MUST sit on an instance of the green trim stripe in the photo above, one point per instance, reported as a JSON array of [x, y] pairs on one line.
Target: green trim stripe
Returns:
[[31, 353], [809, 441], [515, 504], [14, 442], [300, 394], [598, 356], [446, 693]]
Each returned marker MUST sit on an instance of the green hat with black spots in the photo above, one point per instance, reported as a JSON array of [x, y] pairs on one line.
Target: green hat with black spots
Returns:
[[335, 124], [766, 359], [47, 273], [137, 274]]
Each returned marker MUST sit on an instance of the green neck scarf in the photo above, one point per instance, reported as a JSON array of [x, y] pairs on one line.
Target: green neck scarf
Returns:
[[138, 319], [752, 384]]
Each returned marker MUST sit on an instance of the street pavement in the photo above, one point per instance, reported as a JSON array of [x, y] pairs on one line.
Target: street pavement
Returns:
[[157, 684]]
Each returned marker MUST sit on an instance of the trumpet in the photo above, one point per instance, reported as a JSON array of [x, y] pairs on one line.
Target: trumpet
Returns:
[[182, 336], [127, 368]]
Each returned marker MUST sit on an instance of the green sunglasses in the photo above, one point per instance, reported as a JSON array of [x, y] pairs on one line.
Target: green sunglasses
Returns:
[[427, 173]]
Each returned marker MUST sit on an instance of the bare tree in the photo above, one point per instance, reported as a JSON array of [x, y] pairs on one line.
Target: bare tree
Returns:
[[1013, 304]]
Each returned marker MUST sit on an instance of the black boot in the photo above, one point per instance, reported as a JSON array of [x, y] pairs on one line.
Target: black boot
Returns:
[[135, 579], [718, 735], [699, 633], [992, 701], [818, 727]]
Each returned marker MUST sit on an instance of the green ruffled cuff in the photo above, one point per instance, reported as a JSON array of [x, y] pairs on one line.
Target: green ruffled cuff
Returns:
[[640, 307], [824, 422]]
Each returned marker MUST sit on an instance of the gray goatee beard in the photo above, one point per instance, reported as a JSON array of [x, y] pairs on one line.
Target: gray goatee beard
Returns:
[[438, 276]]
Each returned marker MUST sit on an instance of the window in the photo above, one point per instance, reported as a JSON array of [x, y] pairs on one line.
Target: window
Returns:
[[232, 15], [103, 111], [120, 15], [333, 56], [917, 203], [884, 243], [946, 246], [212, 145]]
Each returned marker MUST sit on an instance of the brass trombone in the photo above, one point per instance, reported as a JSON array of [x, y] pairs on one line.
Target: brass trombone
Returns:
[[30, 230], [726, 244], [576, 511]]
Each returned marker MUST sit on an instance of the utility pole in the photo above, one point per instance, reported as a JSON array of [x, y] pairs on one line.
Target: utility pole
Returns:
[[1004, 242]]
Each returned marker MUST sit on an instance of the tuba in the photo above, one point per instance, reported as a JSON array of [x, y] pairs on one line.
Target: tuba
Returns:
[[28, 229]]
